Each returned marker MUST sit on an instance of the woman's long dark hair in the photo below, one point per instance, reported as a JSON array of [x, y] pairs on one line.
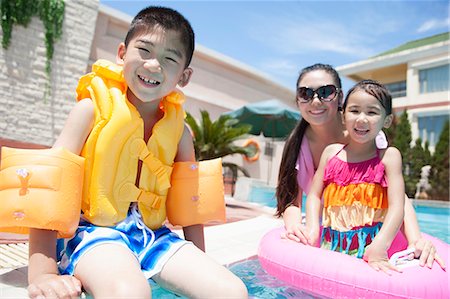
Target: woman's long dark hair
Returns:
[[287, 188]]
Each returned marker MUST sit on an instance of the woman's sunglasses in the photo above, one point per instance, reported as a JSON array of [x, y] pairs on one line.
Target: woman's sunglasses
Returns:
[[325, 93]]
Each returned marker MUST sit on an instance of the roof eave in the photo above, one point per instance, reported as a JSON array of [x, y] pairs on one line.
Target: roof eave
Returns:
[[394, 58]]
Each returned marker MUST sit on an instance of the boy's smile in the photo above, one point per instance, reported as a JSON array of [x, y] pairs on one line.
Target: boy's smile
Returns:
[[153, 64], [148, 81]]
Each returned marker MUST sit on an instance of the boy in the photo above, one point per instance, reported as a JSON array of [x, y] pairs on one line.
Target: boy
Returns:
[[115, 258]]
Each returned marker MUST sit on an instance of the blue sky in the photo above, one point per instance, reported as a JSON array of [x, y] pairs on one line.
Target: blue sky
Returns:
[[279, 38]]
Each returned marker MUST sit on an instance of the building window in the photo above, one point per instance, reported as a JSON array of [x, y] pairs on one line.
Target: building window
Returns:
[[397, 89], [434, 79], [430, 128]]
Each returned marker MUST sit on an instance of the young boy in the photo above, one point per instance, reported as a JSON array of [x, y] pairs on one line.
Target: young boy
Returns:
[[114, 257]]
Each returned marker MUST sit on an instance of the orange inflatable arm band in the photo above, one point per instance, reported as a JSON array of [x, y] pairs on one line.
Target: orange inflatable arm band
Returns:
[[197, 193], [40, 189]]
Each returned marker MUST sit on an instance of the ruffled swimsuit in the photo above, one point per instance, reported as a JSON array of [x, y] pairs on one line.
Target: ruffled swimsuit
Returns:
[[355, 204]]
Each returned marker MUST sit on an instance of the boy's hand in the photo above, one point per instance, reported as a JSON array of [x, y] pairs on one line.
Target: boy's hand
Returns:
[[54, 286], [377, 258]]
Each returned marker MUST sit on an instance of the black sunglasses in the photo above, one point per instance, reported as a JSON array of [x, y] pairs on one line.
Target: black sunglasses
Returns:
[[325, 93]]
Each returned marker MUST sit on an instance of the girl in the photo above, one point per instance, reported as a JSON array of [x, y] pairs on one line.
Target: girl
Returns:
[[359, 208]]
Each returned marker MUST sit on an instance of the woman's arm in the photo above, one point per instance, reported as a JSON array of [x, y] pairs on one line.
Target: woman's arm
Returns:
[[376, 253], [424, 249], [42, 270], [292, 218], [313, 201], [308, 234], [186, 152]]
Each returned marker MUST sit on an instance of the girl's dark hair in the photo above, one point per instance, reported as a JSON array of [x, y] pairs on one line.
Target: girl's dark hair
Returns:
[[168, 19], [375, 89], [287, 188]]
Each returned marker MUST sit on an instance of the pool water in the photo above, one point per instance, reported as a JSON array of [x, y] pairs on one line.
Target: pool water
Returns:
[[258, 282], [262, 285], [432, 220]]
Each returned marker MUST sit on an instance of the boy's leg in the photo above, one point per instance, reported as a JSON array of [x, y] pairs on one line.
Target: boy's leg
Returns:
[[192, 273], [112, 271]]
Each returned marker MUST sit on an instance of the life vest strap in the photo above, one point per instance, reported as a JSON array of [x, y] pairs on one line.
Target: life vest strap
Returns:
[[131, 193], [150, 199], [161, 171]]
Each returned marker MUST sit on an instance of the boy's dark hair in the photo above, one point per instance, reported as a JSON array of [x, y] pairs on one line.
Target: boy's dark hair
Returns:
[[168, 19], [375, 89], [287, 188]]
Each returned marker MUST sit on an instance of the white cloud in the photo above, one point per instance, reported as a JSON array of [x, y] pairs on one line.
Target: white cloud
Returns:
[[434, 24], [279, 67], [308, 35]]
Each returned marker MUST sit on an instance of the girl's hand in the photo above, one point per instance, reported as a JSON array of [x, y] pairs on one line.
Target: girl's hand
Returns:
[[55, 286], [297, 233], [302, 234], [377, 258], [426, 253]]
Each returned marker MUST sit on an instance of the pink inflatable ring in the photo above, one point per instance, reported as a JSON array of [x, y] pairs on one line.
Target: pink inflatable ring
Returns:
[[337, 275]]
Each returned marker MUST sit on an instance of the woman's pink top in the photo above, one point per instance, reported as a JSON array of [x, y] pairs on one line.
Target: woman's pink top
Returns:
[[305, 166]]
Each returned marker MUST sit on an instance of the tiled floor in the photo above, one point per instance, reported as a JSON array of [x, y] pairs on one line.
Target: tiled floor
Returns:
[[226, 243]]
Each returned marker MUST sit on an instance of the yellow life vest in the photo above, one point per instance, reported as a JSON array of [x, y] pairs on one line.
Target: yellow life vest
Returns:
[[115, 146]]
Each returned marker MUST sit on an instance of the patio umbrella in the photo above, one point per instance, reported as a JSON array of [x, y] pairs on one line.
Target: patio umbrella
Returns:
[[272, 118]]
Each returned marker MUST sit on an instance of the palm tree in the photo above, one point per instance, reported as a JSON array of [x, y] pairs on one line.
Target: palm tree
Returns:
[[216, 139]]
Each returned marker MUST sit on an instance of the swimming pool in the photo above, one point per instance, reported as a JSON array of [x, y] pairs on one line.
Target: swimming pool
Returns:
[[433, 220]]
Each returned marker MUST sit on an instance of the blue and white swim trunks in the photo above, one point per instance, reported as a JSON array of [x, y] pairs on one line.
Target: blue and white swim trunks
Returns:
[[152, 248]]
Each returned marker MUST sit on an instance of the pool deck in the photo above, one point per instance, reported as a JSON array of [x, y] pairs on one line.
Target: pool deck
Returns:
[[234, 241]]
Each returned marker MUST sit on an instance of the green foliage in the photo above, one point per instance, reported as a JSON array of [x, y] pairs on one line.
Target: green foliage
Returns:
[[439, 177], [419, 158], [400, 136], [427, 158], [51, 13], [390, 132], [401, 139], [403, 135], [215, 139], [20, 12]]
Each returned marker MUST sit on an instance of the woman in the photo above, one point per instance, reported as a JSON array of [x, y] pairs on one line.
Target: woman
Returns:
[[319, 98]]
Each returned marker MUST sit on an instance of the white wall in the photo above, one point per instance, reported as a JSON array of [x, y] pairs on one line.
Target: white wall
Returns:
[[24, 113]]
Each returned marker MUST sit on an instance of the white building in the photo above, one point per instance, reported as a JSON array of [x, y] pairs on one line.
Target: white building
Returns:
[[417, 74]]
